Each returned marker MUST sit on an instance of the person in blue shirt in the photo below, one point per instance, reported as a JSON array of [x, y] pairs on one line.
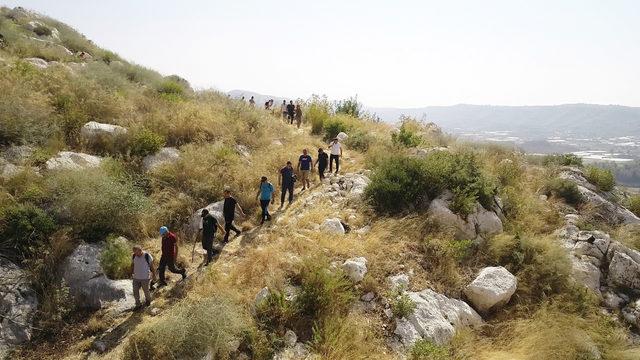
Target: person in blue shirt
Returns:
[[304, 167], [265, 193], [286, 178]]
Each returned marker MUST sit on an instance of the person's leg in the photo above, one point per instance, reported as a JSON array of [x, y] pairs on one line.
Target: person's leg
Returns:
[[147, 293], [283, 192], [171, 263], [161, 269], [136, 291], [227, 229], [234, 228], [265, 213], [290, 193], [331, 157], [321, 172]]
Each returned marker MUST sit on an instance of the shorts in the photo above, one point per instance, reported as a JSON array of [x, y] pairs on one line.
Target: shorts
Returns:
[[304, 174]]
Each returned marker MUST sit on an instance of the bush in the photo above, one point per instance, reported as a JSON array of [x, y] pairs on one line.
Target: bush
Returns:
[[564, 189], [275, 313], [145, 142], [41, 30], [333, 126], [349, 106], [190, 330], [323, 293], [359, 140], [96, 204], [426, 350], [406, 136], [602, 178], [402, 306], [562, 160], [633, 204], [345, 338], [23, 228], [169, 87], [116, 258]]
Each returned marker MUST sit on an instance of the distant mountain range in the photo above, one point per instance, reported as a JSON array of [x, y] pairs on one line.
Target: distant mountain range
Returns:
[[528, 122]]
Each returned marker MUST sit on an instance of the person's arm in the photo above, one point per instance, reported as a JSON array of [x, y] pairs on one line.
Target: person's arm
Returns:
[[153, 270], [220, 228], [240, 209], [131, 271], [298, 167], [259, 190], [175, 246], [340, 150]]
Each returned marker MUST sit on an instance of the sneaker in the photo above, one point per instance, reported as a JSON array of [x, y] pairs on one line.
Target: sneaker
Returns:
[[238, 233], [147, 303], [184, 275], [137, 307]]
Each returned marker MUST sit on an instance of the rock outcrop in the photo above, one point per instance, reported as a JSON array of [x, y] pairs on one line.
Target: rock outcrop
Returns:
[[491, 289], [69, 160], [355, 268], [435, 318], [481, 223], [167, 155], [95, 131], [89, 286], [37, 62], [18, 304], [333, 226]]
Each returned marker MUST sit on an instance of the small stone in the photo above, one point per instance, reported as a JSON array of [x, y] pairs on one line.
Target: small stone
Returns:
[[290, 338], [368, 296]]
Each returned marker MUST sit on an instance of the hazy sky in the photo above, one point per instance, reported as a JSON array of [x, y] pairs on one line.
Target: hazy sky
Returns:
[[390, 53]]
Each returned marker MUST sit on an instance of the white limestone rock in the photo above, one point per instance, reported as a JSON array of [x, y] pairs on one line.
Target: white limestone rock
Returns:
[[333, 226], [93, 131], [355, 268], [491, 289], [69, 160], [167, 155], [18, 304]]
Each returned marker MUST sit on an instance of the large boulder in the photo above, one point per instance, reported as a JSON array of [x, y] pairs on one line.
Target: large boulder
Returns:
[[436, 318], [480, 223], [215, 209], [355, 268], [342, 136], [18, 154], [37, 62], [18, 304], [95, 131], [89, 286], [167, 155], [624, 271], [69, 160], [333, 226], [491, 289]]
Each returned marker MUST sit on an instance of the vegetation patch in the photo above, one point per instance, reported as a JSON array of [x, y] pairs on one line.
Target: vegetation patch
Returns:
[[602, 178], [564, 189]]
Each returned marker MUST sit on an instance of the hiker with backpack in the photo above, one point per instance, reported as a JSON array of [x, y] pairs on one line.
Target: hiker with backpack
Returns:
[[209, 226], [304, 167], [169, 255], [291, 112], [265, 194], [229, 212], [286, 179], [322, 161], [141, 271]]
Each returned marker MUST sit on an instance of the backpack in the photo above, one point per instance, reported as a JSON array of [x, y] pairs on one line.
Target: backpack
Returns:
[[146, 257]]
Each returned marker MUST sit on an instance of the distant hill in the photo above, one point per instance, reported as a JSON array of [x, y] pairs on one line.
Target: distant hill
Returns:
[[528, 122]]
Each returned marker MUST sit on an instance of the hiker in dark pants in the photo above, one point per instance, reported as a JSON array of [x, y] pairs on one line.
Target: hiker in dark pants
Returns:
[[209, 226], [141, 269], [336, 154], [229, 212], [169, 255], [322, 161], [265, 194], [291, 112], [286, 179]]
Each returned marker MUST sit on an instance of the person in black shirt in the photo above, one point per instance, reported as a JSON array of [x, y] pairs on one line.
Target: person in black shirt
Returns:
[[209, 226], [229, 212], [291, 111], [321, 162], [286, 179]]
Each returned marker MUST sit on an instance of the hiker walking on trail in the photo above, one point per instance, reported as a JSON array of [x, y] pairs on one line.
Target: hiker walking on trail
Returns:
[[304, 167], [252, 101], [336, 153], [265, 194], [322, 161], [286, 178], [141, 269], [169, 255], [291, 112], [209, 226], [229, 212], [298, 115], [267, 105], [283, 109]]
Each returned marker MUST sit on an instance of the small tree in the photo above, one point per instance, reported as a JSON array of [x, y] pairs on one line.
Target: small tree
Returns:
[[349, 106]]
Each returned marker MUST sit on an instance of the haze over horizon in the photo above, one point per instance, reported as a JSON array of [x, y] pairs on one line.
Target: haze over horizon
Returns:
[[407, 54]]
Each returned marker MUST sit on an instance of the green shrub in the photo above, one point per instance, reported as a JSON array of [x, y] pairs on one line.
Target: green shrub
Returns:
[[41, 30], [602, 178], [406, 136], [170, 88], [562, 160], [146, 142], [22, 229], [633, 204], [333, 126], [96, 204], [116, 258], [402, 306], [318, 111], [323, 293], [359, 140], [190, 330], [426, 350], [564, 189], [275, 313], [349, 106]]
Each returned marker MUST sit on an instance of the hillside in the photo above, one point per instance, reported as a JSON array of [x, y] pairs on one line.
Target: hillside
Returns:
[[420, 247]]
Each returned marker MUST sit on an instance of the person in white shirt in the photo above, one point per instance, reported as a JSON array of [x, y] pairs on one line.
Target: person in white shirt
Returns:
[[336, 153], [141, 270]]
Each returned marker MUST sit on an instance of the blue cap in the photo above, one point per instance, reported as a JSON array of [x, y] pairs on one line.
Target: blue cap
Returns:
[[164, 230]]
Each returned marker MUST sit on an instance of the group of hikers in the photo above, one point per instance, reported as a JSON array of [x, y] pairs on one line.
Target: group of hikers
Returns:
[[290, 111], [142, 267]]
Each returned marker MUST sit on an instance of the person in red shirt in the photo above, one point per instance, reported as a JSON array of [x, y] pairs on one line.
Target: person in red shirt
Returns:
[[169, 255]]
